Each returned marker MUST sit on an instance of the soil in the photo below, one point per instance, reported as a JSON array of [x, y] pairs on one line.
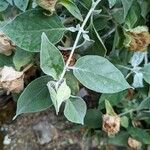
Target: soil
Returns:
[[38, 131], [41, 131]]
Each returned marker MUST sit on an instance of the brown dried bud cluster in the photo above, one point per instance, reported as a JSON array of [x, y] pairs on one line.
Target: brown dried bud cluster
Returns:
[[47, 4], [111, 124], [6, 45], [11, 80], [138, 38], [134, 144]]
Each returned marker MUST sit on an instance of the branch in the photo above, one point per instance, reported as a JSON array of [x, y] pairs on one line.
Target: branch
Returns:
[[94, 4]]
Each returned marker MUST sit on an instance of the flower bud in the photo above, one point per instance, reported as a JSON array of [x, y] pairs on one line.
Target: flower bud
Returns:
[[134, 144], [11, 80], [47, 4], [6, 45], [137, 39], [111, 124]]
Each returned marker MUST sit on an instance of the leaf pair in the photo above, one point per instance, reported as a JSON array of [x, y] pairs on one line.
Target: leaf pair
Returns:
[[58, 93]]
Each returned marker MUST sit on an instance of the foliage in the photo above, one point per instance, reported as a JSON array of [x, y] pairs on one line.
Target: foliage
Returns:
[[67, 45]]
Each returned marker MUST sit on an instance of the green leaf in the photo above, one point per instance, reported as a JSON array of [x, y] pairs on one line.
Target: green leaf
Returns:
[[35, 97], [5, 60], [140, 135], [109, 109], [146, 73], [26, 29], [145, 104], [58, 94], [51, 60], [120, 139], [126, 6], [124, 122], [75, 110], [111, 3], [98, 47], [3, 5], [145, 8], [72, 8], [113, 99], [93, 119], [131, 18], [85, 3], [22, 58], [98, 74], [10, 2], [118, 14], [21, 4], [72, 82]]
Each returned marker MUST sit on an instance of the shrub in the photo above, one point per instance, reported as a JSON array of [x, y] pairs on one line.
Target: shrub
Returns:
[[63, 44]]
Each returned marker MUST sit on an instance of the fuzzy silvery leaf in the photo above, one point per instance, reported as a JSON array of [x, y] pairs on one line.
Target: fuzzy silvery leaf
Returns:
[[51, 59], [72, 8], [26, 29], [58, 94], [137, 58], [35, 97], [75, 110], [100, 75], [138, 80]]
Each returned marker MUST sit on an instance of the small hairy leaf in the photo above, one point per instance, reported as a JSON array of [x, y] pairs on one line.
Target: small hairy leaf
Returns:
[[72, 82], [124, 122], [109, 108], [51, 60], [72, 8], [98, 74], [35, 97], [22, 58], [60, 94], [126, 6], [75, 110], [3, 5], [21, 4], [145, 104]]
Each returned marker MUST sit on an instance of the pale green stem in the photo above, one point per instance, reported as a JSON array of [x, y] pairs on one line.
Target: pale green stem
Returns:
[[127, 112]]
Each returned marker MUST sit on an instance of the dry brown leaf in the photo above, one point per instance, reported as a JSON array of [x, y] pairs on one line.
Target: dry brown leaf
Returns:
[[47, 4], [139, 38], [6, 46], [11, 80]]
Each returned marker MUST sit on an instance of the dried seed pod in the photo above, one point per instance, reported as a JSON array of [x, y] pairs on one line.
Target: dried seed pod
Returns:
[[6, 46], [137, 39], [11, 80], [134, 144], [47, 4], [111, 124]]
